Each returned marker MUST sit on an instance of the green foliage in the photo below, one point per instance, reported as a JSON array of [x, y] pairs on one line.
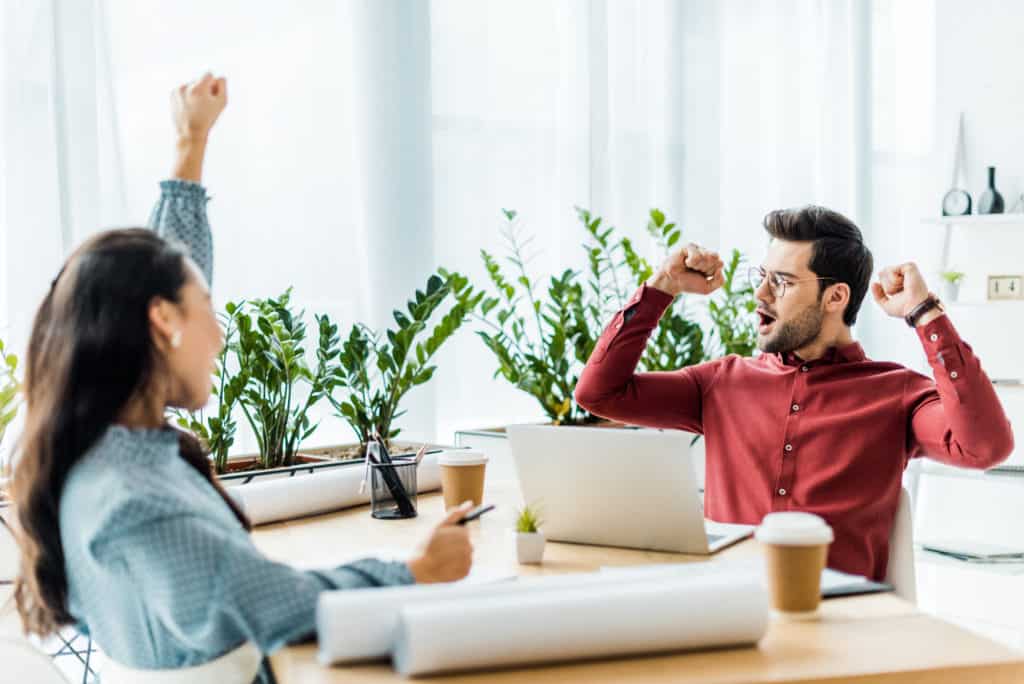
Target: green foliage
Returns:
[[275, 375], [616, 270], [217, 431], [377, 371], [528, 520], [10, 389], [540, 345], [953, 277], [731, 310]]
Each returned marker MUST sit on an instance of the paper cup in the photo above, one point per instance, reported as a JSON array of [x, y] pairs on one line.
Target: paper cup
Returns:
[[462, 477], [795, 547]]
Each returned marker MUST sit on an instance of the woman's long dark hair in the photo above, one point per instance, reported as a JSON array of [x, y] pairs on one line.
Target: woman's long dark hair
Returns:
[[90, 352]]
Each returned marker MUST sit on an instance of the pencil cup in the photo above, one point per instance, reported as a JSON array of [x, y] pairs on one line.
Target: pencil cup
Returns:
[[393, 490]]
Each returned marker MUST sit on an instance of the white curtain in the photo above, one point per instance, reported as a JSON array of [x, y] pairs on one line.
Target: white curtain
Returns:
[[714, 111], [369, 141], [60, 161]]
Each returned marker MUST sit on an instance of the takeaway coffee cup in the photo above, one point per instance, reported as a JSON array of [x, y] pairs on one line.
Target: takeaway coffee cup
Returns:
[[462, 477], [795, 548]]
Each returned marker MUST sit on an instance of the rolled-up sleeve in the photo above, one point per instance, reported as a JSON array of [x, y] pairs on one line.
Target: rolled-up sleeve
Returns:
[[180, 216]]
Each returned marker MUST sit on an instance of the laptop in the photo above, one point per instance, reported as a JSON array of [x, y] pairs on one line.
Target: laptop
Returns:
[[617, 487]]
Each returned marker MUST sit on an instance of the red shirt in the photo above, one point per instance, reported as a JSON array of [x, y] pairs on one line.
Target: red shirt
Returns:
[[830, 436]]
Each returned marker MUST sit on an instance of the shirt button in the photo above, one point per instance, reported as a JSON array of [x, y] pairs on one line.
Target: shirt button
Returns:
[[934, 338], [782, 492], [789, 447], [796, 407], [954, 375], [804, 369]]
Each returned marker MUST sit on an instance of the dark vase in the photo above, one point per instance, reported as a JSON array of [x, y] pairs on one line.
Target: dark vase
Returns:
[[991, 201]]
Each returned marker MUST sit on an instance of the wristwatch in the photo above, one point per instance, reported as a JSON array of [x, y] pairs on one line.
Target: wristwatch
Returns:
[[921, 309]]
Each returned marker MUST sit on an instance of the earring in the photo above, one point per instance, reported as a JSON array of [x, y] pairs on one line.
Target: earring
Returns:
[[176, 339]]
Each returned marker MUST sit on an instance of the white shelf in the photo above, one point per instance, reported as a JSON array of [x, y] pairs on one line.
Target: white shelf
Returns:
[[973, 303], [975, 220]]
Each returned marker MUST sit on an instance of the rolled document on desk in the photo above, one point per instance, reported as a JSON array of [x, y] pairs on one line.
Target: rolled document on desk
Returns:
[[586, 622], [320, 492], [360, 625]]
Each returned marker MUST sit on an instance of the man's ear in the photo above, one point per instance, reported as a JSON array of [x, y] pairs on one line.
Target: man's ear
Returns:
[[837, 297]]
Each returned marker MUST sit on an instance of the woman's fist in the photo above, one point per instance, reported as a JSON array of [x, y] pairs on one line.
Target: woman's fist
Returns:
[[195, 106]]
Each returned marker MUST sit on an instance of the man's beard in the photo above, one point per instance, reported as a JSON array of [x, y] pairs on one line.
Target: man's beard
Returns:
[[794, 334]]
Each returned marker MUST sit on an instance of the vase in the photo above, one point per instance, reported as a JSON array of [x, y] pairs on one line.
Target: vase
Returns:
[[951, 291], [991, 201]]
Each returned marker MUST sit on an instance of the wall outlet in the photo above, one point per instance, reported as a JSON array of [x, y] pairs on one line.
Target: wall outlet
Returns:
[[1006, 287]]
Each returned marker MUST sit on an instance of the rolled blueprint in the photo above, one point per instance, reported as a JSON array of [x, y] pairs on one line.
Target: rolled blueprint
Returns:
[[320, 492], [654, 616]]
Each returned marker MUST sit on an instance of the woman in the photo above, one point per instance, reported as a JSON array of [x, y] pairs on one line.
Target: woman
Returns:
[[125, 532]]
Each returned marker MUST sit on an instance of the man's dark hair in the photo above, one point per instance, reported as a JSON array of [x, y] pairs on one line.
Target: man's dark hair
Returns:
[[839, 252]]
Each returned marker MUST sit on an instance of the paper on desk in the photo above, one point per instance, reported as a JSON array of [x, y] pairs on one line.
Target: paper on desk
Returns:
[[650, 616], [358, 625], [320, 492]]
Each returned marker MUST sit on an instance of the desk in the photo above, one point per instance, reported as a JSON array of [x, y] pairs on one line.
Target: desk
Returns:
[[869, 639]]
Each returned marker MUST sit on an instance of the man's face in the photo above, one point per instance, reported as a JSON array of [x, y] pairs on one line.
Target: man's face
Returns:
[[794, 319]]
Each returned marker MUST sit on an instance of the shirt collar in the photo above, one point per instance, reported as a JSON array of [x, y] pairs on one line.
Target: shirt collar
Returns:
[[844, 354]]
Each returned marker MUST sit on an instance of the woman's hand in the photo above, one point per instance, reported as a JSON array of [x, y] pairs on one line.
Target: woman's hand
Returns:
[[447, 555], [195, 107]]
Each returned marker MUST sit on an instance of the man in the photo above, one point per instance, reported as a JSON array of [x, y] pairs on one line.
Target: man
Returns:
[[811, 424]]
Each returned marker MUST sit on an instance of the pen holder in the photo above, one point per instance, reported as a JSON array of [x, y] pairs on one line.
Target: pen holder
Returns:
[[393, 490]]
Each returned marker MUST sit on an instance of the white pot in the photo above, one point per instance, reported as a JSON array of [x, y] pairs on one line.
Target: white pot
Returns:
[[530, 547], [951, 291]]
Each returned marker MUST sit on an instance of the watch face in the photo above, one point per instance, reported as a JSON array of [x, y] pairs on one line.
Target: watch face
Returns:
[[956, 203]]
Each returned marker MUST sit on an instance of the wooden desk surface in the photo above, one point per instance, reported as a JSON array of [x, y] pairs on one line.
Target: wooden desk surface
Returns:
[[867, 639]]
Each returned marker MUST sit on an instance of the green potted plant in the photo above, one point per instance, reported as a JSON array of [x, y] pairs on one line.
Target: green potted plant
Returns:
[[541, 344], [951, 284], [529, 539], [376, 371], [216, 430], [10, 403], [278, 385]]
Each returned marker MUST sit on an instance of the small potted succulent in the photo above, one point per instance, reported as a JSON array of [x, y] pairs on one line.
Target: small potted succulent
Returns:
[[529, 539], [951, 281]]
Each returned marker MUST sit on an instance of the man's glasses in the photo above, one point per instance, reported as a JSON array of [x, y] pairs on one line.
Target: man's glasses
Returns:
[[776, 283]]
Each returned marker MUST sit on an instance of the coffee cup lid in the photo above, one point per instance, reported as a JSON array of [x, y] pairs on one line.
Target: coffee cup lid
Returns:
[[794, 529], [462, 458]]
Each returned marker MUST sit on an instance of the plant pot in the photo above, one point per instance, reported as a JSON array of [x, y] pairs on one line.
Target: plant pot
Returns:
[[950, 291], [530, 547]]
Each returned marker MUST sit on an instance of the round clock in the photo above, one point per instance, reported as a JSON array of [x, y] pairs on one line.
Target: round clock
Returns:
[[956, 203]]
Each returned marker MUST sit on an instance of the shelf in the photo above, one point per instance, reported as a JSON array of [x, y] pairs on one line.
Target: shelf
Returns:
[[973, 303], [976, 220]]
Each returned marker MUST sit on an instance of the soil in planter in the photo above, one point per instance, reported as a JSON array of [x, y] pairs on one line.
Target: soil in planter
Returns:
[[238, 465], [599, 424], [354, 452]]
